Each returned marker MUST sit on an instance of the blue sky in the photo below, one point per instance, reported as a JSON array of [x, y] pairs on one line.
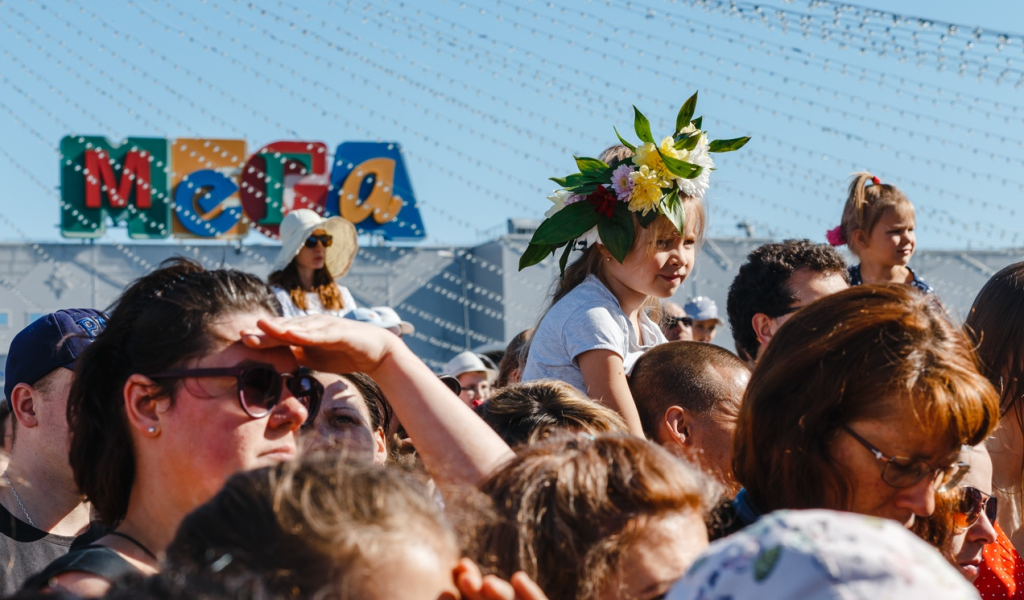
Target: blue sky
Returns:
[[489, 99]]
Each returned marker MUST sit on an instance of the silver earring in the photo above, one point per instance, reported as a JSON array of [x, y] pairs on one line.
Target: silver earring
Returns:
[[151, 429]]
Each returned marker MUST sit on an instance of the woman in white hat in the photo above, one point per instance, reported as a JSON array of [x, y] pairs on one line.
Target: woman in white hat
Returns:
[[314, 251]]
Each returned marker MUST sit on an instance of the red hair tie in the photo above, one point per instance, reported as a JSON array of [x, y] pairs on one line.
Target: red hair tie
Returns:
[[876, 181]]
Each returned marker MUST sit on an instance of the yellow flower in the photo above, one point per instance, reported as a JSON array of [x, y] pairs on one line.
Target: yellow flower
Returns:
[[647, 192], [647, 155]]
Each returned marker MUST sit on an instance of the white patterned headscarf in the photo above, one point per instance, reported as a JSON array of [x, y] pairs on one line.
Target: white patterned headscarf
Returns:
[[821, 555]]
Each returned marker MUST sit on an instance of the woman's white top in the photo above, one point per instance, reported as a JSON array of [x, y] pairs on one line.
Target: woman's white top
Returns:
[[313, 305], [587, 318]]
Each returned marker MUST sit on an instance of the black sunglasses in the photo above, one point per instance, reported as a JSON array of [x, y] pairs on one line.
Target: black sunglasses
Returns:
[[324, 239], [671, 322], [973, 502], [259, 387]]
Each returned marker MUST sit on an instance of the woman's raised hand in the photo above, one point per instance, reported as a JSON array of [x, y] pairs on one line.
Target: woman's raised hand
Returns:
[[327, 343]]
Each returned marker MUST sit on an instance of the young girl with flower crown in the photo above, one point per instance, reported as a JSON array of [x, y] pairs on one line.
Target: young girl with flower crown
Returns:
[[637, 215], [878, 226]]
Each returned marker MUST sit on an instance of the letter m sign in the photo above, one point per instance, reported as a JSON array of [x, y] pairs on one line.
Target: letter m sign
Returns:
[[127, 183]]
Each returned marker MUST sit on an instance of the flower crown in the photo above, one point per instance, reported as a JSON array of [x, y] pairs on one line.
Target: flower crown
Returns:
[[598, 203]]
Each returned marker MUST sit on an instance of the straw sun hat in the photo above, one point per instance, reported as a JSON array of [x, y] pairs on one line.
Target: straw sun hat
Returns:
[[298, 225]]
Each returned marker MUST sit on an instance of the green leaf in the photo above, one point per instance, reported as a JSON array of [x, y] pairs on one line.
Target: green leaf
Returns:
[[672, 208], [687, 143], [728, 145], [646, 220], [686, 113], [567, 224], [617, 233], [631, 147], [590, 165], [698, 122], [564, 260], [680, 168], [534, 254], [642, 127], [765, 563]]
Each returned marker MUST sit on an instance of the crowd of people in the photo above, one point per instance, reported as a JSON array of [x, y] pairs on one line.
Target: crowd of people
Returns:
[[214, 435]]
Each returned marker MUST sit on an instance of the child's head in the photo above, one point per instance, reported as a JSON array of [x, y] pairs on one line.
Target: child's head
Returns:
[[593, 517], [324, 527], [660, 258], [878, 222]]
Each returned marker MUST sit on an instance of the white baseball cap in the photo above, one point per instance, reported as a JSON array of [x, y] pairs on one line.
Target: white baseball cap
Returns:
[[466, 362], [392, 321]]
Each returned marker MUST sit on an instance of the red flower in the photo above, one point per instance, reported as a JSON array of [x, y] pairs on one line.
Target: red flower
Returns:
[[604, 201]]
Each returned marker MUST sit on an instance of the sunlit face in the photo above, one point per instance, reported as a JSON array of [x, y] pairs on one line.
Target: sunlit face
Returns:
[[205, 436], [704, 331], [679, 331], [312, 258], [658, 274], [476, 387], [903, 436], [806, 286], [416, 571], [967, 544], [666, 548], [344, 422], [892, 239]]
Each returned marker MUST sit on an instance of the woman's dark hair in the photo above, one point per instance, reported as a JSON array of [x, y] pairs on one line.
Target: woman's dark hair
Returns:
[[863, 353], [996, 324], [567, 510], [376, 402], [323, 284], [159, 323]]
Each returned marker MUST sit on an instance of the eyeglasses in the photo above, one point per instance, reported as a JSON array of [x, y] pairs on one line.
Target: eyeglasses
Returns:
[[671, 322], [324, 239], [259, 387], [902, 472], [973, 502]]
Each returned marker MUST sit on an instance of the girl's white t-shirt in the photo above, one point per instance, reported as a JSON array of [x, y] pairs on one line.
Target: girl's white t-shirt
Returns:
[[313, 305], [587, 318]]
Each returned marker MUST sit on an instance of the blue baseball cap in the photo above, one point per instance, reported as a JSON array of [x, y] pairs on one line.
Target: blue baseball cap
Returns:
[[702, 308], [51, 341]]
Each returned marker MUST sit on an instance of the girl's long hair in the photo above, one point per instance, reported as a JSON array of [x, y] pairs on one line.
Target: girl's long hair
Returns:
[[323, 285]]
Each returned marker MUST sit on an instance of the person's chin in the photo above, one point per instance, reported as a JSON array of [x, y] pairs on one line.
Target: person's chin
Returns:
[[970, 571]]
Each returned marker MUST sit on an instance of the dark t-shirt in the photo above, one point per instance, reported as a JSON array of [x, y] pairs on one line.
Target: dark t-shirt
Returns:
[[25, 550]]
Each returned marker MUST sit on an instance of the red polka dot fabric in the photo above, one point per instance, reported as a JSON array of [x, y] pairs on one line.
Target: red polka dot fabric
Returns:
[[1002, 574]]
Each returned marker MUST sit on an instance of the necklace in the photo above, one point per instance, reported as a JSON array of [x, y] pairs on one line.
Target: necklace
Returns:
[[18, 498], [140, 545]]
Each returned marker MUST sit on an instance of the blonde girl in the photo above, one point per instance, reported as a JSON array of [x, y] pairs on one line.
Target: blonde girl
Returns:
[[878, 226], [638, 216]]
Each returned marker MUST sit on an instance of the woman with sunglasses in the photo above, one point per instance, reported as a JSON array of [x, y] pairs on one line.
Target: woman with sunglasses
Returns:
[[860, 403], [314, 252], [167, 405], [996, 324], [974, 524]]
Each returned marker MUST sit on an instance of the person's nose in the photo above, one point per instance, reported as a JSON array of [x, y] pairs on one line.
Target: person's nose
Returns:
[[919, 498], [289, 413], [983, 531]]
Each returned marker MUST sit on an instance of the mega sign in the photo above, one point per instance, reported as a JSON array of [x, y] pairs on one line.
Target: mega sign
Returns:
[[207, 188]]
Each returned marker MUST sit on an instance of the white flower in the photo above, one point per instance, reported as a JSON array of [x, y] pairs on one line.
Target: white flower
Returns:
[[591, 237], [558, 197], [699, 156]]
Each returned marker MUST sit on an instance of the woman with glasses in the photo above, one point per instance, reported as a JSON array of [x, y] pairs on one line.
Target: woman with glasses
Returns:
[[167, 405], [860, 403], [314, 252], [996, 324], [974, 526]]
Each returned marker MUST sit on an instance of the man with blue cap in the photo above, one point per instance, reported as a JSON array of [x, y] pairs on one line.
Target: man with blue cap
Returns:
[[704, 313], [41, 509]]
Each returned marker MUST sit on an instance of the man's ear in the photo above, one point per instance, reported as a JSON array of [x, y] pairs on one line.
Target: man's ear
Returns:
[[679, 424], [23, 403], [763, 328], [144, 405]]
